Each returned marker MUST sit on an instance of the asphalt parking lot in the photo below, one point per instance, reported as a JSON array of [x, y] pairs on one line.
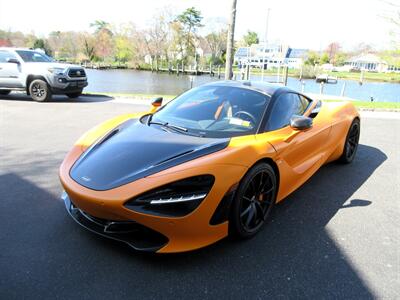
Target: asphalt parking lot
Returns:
[[336, 237]]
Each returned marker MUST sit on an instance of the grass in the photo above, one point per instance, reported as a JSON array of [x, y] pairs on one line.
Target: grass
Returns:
[[374, 105], [368, 76], [357, 103]]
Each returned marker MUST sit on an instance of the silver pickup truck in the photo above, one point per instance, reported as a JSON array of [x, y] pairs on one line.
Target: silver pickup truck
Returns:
[[38, 74]]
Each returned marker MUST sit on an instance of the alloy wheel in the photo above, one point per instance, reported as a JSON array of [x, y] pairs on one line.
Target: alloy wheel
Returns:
[[257, 200]]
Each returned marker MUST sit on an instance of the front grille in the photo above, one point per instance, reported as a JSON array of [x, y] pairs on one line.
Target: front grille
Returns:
[[134, 234], [76, 73]]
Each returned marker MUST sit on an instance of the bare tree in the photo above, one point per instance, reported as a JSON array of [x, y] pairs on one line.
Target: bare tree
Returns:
[[216, 41]]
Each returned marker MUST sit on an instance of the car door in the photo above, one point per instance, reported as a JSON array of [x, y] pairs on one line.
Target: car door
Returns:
[[299, 152], [9, 72]]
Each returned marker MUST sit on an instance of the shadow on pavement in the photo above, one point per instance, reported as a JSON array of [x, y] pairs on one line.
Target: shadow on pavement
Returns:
[[84, 98], [45, 253]]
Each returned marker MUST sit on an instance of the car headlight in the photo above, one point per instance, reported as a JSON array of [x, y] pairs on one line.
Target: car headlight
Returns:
[[175, 199], [56, 71]]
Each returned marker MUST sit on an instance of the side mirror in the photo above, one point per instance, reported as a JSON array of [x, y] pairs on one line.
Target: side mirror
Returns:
[[13, 61], [156, 103], [301, 122]]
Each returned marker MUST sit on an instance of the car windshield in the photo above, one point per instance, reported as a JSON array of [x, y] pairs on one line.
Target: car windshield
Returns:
[[33, 56], [215, 111]]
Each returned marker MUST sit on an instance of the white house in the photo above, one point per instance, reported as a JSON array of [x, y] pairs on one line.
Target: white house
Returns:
[[270, 56], [367, 62], [295, 58]]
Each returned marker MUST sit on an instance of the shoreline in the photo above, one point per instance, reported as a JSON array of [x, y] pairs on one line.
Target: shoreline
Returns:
[[368, 76], [361, 105]]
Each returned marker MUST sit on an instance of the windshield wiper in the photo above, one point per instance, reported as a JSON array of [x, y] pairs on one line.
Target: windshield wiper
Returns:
[[167, 125], [180, 128]]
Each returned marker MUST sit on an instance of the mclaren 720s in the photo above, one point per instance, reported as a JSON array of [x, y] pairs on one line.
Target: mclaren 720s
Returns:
[[209, 163]]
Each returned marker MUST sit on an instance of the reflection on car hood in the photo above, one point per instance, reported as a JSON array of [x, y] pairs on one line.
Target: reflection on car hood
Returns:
[[135, 150]]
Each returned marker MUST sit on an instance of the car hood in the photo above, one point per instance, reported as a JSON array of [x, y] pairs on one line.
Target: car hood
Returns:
[[47, 65], [135, 150]]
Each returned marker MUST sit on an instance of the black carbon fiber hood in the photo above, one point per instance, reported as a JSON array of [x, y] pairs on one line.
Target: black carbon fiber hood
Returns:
[[135, 150]]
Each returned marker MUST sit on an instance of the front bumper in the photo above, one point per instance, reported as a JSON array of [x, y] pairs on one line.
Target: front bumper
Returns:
[[190, 232], [134, 234], [61, 84]]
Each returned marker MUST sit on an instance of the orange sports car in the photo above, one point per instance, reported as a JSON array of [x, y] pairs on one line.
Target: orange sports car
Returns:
[[209, 163]]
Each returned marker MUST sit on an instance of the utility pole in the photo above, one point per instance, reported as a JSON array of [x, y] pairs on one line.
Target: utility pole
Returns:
[[265, 44], [230, 42]]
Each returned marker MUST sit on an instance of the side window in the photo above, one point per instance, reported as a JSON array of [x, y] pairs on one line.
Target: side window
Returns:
[[5, 55], [304, 103], [285, 107]]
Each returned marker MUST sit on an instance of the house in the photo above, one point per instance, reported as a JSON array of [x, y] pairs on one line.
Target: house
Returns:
[[270, 55], [367, 62], [295, 58], [259, 55]]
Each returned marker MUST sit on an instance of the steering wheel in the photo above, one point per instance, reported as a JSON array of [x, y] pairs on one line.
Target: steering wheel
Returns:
[[249, 116]]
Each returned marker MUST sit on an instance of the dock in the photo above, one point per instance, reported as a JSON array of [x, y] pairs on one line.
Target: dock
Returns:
[[325, 78]]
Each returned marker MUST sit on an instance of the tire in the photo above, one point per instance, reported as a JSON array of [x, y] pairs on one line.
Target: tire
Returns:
[[351, 143], [74, 95], [4, 92], [39, 90], [253, 201]]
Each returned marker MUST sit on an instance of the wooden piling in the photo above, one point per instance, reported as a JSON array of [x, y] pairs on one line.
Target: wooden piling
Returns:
[[286, 75]]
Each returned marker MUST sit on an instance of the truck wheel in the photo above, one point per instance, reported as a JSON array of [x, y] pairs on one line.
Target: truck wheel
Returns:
[[74, 95], [4, 92], [39, 90]]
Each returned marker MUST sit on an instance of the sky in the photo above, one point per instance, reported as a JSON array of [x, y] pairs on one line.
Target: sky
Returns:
[[311, 24]]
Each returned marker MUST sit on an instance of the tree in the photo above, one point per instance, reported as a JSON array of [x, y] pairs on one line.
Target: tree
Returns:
[[392, 57], [104, 39], [156, 37], [313, 58], [42, 44], [190, 21], [104, 45], [393, 17], [216, 41], [250, 38], [332, 50], [324, 59], [341, 58], [177, 41], [89, 49], [101, 25]]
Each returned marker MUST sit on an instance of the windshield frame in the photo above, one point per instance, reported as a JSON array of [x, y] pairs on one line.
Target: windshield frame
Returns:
[[216, 133], [46, 57]]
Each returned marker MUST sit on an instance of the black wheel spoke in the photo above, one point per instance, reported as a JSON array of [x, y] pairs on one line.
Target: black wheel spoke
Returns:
[[253, 186], [250, 215], [245, 211], [247, 199], [260, 209], [267, 191], [260, 186]]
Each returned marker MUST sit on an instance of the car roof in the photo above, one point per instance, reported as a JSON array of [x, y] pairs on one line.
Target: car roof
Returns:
[[259, 86]]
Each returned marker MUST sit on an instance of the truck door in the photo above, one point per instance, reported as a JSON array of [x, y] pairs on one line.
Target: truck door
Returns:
[[9, 71]]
